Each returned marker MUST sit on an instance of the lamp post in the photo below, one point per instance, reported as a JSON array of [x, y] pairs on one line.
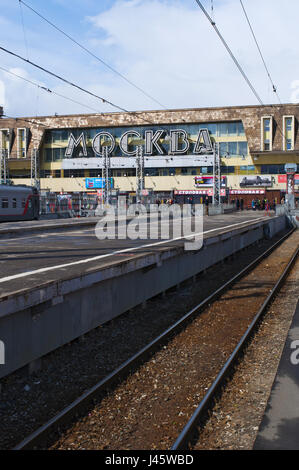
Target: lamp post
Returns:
[[140, 182], [3, 166], [216, 176], [106, 169], [35, 175]]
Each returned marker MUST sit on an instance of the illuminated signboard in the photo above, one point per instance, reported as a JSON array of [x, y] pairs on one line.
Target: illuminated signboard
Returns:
[[256, 180], [96, 183], [208, 181]]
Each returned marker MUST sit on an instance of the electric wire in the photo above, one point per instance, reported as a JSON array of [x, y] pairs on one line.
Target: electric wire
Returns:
[[104, 100], [93, 55], [260, 52], [64, 80], [230, 52], [24, 33], [274, 88], [48, 90]]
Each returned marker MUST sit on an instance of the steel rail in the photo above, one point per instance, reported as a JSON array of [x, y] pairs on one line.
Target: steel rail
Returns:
[[68, 413], [207, 402]]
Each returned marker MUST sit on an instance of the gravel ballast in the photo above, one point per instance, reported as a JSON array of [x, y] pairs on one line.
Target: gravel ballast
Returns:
[[150, 408]]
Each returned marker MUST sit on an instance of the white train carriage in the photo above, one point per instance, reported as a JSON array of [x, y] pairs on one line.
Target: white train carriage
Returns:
[[18, 203]]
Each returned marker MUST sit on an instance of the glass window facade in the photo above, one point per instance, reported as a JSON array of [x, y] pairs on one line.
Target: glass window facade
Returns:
[[272, 169], [233, 149], [56, 140]]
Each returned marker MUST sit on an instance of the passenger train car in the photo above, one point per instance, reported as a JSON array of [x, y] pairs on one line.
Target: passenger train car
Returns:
[[18, 203]]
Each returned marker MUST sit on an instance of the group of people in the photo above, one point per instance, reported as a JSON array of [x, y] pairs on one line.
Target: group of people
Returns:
[[264, 204], [239, 204], [167, 202]]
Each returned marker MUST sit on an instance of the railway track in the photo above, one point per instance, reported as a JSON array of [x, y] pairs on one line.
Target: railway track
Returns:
[[67, 416]]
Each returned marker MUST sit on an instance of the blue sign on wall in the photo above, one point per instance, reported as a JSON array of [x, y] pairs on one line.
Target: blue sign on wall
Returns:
[[97, 183]]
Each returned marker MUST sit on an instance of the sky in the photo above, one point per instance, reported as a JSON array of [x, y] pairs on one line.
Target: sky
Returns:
[[166, 47]]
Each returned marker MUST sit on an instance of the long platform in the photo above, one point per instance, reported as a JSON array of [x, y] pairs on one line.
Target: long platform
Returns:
[[279, 429], [70, 248], [57, 285]]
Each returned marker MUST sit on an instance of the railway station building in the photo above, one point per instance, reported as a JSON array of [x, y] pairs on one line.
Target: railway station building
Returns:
[[255, 143]]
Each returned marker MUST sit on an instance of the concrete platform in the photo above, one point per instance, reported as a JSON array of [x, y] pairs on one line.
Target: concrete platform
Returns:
[[57, 286], [26, 260], [279, 429]]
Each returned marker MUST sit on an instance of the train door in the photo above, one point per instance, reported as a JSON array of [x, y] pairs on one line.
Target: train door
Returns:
[[36, 207]]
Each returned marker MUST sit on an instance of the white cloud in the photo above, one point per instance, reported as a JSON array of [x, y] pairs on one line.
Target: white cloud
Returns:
[[2, 93], [166, 47], [171, 49]]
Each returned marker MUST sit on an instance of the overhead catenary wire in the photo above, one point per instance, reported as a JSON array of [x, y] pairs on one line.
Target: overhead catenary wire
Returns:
[[68, 82], [64, 80], [230, 52], [274, 88], [24, 32], [48, 90], [93, 55]]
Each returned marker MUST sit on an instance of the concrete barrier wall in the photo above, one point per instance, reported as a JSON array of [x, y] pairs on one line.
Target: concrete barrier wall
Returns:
[[37, 321], [221, 209], [215, 210]]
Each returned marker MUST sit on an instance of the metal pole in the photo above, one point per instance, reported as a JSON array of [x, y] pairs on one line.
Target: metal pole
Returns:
[[139, 172], [216, 176], [106, 188], [35, 176], [3, 166]]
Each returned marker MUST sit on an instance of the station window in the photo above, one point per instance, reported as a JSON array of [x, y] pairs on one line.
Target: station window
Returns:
[[22, 136], [74, 173], [243, 148], [151, 172], [233, 148], [5, 140], [266, 133], [230, 128], [57, 154], [272, 169], [289, 124], [266, 144], [228, 170], [288, 133], [4, 204]]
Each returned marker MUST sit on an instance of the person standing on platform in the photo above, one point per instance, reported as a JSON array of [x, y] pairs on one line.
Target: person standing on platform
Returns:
[[238, 205], [267, 207], [242, 204]]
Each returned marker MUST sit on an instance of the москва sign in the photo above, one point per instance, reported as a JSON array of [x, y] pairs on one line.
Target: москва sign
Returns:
[[177, 140]]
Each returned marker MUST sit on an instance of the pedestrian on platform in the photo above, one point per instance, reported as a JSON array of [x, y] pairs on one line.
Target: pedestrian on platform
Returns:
[[267, 207]]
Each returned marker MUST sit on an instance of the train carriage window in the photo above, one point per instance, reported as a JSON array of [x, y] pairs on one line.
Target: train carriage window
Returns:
[[14, 203], [4, 203]]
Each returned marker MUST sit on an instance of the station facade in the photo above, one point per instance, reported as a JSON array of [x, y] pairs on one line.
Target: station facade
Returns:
[[255, 144]]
